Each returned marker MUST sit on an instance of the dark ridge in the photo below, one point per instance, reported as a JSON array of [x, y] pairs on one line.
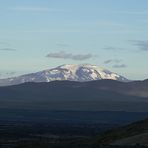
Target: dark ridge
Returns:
[[137, 128]]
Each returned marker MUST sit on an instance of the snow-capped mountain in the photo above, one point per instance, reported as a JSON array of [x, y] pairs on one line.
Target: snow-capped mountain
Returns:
[[69, 72]]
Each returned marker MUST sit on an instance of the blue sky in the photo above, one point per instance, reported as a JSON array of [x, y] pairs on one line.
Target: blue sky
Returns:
[[41, 34]]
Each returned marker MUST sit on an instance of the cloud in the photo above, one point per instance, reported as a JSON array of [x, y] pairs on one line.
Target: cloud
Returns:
[[34, 9], [4, 43], [119, 66], [7, 74], [64, 55], [107, 61], [112, 61], [10, 73], [111, 24], [62, 45], [7, 49], [142, 45], [133, 12], [40, 30], [109, 48], [116, 63], [112, 48]]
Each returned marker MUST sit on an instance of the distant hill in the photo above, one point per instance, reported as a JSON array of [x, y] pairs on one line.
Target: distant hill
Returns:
[[69, 95]]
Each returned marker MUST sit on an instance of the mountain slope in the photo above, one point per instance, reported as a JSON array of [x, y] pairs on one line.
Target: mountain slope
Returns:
[[69, 72], [135, 133]]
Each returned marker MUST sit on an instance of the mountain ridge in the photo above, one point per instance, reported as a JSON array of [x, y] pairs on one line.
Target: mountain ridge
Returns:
[[131, 134], [65, 95]]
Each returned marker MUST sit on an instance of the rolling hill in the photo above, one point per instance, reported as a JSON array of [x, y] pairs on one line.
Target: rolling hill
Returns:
[[69, 95]]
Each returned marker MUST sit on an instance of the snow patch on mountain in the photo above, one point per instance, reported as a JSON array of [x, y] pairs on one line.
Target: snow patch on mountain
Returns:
[[71, 72]]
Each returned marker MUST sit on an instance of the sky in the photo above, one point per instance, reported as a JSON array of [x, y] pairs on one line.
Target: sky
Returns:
[[42, 34]]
